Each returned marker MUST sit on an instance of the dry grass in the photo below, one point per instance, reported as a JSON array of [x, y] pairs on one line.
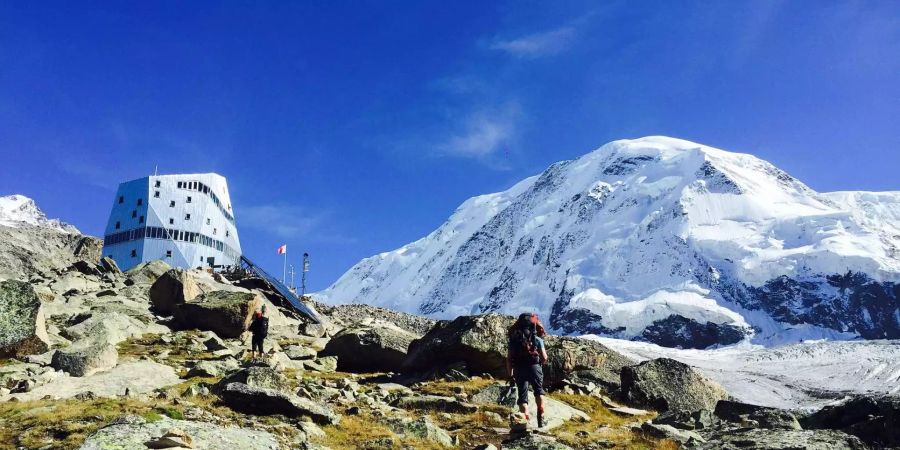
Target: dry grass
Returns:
[[65, 424], [358, 432], [446, 388]]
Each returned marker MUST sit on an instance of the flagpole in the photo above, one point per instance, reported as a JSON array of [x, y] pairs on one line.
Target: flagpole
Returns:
[[284, 271]]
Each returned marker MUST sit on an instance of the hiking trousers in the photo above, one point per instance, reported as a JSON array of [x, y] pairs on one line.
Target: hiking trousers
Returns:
[[257, 343], [528, 374]]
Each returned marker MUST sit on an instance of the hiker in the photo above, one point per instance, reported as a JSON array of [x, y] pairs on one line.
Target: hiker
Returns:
[[523, 362], [259, 327]]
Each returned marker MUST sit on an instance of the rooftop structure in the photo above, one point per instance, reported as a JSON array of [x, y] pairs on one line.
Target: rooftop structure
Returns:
[[185, 220]]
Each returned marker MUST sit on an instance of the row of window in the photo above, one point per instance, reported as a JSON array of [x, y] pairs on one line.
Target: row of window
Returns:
[[190, 185], [172, 235], [200, 187], [172, 222]]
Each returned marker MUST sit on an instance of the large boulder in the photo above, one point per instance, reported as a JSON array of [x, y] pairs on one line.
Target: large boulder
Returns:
[[434, 403], [134, 377], [85, 358], [226, 313], [874, 419], [88, 248], [762, 439], [146, 272], [762, 417], [135, 432], [22, 327], [567, 355], [257, 377], [263, 401], [370, 346], [478, 341], [109, 265], [171, 289], [668, 385]]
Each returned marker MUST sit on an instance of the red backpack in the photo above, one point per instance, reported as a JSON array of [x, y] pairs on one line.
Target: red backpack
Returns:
[[523, 346]]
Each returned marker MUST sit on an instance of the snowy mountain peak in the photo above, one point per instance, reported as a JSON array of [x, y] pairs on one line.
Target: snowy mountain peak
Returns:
[[19, 210], [657, 239]]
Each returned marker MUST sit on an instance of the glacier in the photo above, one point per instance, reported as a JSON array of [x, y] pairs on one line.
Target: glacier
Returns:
[[656, 239]]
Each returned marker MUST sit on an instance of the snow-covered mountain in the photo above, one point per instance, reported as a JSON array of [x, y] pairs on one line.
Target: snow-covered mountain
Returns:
[[656, 239], [18, 210], [33, 245]]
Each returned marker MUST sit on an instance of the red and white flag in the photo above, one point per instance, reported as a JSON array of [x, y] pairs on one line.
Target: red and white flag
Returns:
[[282, 250]]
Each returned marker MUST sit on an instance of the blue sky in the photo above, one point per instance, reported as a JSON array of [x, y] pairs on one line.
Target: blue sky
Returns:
[[350, 128]]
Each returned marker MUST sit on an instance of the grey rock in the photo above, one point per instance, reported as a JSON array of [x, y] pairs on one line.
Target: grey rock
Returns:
[[874, 419], [137, 377], [665, 384], [325, 364], [86, 268], [568, 356], [173, 288], [761, 439], [258, 377], [744, 413], [478, 341], [371, 346], [434, 403], [22, 327], [422, 428], [263, 401], [697, 420], [315, 330], [108, 265], [299, 352], [684, 437], [146, 272], [134, 432], [226, 313], [212, 368], [85, 358]]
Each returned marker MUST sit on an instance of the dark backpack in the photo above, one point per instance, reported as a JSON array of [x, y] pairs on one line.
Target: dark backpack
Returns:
[[260, 326], [523, 348]]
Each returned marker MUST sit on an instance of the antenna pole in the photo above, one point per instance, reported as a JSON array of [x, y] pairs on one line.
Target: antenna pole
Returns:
[[303, 276]]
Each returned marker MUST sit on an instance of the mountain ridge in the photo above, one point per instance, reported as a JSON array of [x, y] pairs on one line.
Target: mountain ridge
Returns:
[[653, 238]]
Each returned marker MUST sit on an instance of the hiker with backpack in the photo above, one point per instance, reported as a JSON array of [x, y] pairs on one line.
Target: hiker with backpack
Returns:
[[523, 362], [259, 327]]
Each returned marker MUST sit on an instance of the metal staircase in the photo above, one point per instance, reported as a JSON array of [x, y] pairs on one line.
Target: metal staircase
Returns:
[[281, 289]]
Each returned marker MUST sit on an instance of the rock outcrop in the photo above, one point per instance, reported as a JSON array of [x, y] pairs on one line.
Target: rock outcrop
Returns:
[[171, 289], [668, 385], [146, 272], [134, 432], [226, 313], [762, 439], [85, 357], [370, 346], [22, 326], [567, 355], [874, 419], [478, 341], [264, 401]]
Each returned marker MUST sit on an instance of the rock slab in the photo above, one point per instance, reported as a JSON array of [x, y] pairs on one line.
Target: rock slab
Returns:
[[22, 327]]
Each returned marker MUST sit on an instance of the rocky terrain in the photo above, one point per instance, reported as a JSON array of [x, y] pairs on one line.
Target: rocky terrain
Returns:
[[659, 240], [157, 358]]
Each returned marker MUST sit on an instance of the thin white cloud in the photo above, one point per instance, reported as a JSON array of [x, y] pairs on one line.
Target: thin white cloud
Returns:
[[289, 222], [536, 45], [483, 133]]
